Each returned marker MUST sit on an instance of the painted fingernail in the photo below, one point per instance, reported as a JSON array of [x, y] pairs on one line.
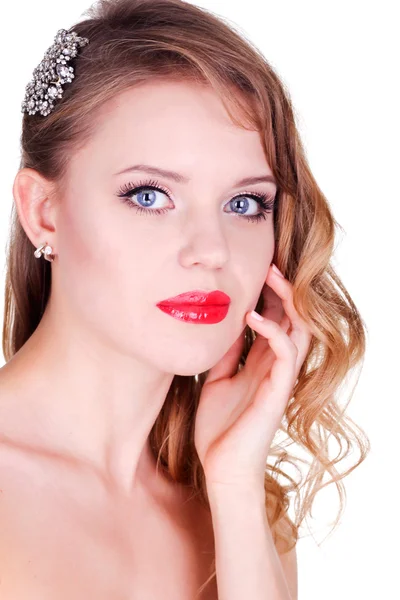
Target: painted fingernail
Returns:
[[277, 271], [256, 316]]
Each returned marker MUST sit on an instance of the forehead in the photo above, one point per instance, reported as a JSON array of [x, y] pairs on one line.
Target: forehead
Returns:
[[177, 125]]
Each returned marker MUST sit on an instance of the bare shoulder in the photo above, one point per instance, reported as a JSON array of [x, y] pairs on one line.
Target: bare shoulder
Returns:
[[14, 484], [37, 538], [23, 485]]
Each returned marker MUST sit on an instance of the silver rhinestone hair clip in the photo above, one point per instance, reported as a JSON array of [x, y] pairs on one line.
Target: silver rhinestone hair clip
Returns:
[[51, 72]]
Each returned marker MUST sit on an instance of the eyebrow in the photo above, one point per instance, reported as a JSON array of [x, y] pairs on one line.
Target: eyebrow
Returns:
[[182, 179]]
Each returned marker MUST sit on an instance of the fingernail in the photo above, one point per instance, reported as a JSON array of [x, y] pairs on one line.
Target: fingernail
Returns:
[[256, 316], [277, 271]]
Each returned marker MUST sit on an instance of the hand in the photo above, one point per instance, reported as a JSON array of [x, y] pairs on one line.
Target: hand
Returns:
[[240, 412]]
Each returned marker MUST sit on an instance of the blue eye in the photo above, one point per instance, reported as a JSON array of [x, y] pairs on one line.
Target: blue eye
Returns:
[[265, 202]]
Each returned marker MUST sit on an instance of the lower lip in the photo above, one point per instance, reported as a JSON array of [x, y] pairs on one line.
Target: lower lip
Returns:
[[196, 313]]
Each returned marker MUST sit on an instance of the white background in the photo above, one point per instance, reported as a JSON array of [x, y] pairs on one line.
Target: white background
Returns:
[[340, 61]]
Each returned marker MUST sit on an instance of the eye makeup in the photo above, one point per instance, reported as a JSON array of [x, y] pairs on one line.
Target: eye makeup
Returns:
[[127, 191]]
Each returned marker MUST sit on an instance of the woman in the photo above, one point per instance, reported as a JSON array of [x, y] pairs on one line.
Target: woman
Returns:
[[136, 423]]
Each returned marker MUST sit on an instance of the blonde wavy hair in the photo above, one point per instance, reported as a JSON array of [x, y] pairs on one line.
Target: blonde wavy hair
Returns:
[[132, 41]]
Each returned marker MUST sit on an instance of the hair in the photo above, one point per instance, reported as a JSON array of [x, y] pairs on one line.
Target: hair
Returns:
[[134, 41]]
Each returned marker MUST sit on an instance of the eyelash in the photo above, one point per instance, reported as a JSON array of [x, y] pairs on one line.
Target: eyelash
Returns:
[[265, 202]]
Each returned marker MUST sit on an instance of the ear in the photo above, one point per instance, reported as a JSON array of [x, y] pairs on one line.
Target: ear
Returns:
[[35, 203]]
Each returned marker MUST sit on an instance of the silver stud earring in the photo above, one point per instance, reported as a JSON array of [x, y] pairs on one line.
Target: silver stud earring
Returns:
[[46, 251]]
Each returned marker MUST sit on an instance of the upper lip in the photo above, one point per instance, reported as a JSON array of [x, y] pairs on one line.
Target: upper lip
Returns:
[[199, 297]]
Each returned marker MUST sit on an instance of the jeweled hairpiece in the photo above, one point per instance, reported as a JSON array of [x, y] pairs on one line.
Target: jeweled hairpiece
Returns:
[[52, 71]]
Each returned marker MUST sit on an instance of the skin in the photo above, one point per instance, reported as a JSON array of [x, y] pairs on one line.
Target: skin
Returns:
[[99, 365], [118, 350]]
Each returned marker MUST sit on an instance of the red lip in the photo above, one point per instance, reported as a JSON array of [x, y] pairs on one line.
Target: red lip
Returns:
[[198, 298], [197, 306]]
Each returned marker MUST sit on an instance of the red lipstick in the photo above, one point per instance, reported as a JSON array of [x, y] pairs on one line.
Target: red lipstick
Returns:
[[197, 306]]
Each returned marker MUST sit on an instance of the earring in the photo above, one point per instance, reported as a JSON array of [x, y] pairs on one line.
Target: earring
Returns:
[[45, 250]]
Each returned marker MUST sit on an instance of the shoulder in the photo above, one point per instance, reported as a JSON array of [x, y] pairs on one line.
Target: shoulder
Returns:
[[12, 521]]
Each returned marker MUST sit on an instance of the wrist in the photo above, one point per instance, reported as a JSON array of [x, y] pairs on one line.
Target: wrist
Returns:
[[232, 492]]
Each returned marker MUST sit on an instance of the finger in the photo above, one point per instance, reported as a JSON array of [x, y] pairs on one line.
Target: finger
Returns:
[[282, 372], [228, 365], [300, 333], [261, 344], [285, 324], [273, 309]]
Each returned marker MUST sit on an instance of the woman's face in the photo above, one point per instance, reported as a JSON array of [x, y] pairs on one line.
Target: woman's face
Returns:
[[115, 262]]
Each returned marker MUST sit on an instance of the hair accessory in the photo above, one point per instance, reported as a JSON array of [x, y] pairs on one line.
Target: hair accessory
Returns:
[[52, 71], [44, 250]]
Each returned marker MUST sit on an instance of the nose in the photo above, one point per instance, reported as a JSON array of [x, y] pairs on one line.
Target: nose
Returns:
[[204, 243]]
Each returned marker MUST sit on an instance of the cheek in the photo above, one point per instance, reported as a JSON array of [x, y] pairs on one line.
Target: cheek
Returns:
[[104, 275], [82, 239], [85, 251], [250, 263]]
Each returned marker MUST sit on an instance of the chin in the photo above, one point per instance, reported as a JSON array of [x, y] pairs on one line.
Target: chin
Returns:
[[187, 363]]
